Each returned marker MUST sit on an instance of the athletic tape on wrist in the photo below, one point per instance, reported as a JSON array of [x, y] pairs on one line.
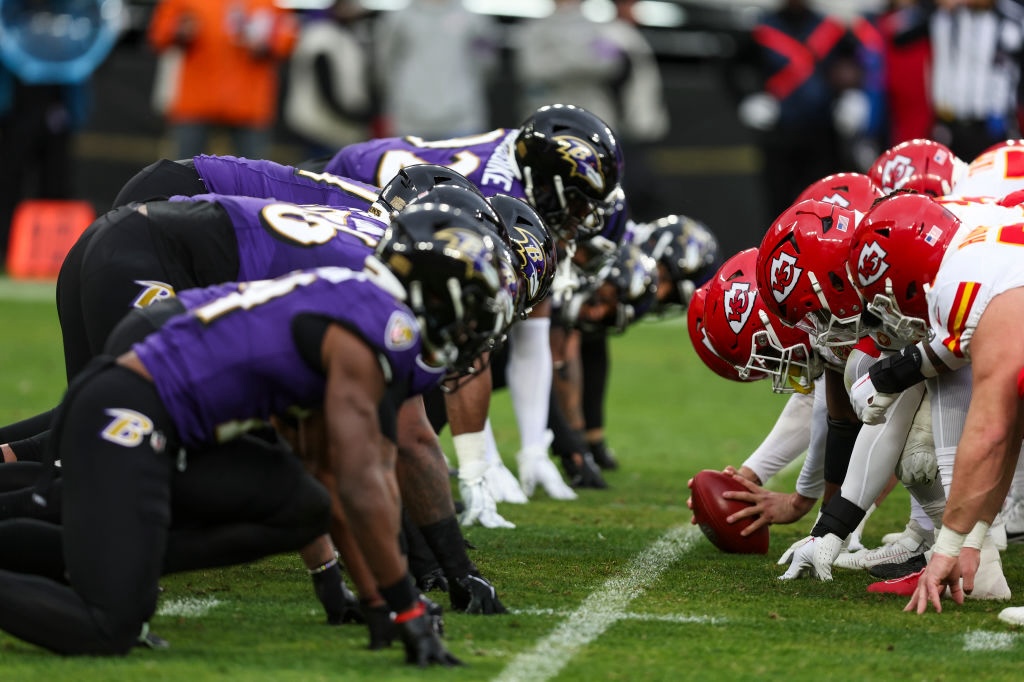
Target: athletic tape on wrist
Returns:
[[977, 535], [949, 542]]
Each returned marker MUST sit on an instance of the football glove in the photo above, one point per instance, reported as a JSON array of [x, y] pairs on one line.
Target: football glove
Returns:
[[868, 403], [813, 556], [480, 506], [422, 640], [474, 594], [339, 602]]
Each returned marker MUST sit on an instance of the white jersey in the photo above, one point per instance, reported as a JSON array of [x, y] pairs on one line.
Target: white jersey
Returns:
[[995, 173], [985, 258]]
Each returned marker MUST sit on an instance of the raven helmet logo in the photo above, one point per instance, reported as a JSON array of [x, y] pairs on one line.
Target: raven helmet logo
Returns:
[[531, 256], [897, 171], [871, 264], [127, 428], [784, 275], [584, 160], [739, 302], [152, 291]]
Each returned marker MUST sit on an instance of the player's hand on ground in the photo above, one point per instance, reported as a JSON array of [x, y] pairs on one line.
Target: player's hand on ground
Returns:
[[941, 572], [813, 557], [480, 505], [423, 646], [474, 594]]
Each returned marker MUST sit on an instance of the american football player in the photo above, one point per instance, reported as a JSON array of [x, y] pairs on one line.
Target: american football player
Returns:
[[426, 302]]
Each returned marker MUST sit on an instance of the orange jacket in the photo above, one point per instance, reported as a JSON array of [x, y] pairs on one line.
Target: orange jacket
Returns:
[[232, 49]]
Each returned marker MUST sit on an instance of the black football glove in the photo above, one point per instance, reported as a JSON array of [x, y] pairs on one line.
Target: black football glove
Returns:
[[339, 602], [472, 593], [382, 628], [422, 642]]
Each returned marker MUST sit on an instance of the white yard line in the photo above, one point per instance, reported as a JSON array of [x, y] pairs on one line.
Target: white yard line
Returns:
[[600, 610], [983, 640], [188, 607]]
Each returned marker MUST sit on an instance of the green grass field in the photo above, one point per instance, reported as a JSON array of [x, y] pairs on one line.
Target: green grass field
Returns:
[[614, 586]]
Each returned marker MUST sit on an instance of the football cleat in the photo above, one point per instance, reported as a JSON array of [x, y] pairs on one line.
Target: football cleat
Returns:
[[903, 587], [989, 582], [914, 540], [1014, 615], [892, 571]]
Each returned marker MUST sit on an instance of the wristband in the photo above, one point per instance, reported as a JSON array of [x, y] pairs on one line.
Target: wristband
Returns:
[[977, 535], [325, 566], [412, 613], [949, 542]]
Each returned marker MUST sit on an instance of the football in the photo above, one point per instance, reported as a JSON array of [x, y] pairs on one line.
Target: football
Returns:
[[710, 510]]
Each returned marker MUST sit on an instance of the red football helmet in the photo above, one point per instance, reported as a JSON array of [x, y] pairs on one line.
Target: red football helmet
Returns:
[[922, 165], [801, 272], [702, 344], [747, 336], [855, 191], [894, 255], [1001, 145]]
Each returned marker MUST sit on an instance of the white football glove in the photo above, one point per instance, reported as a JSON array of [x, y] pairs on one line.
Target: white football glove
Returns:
[[868, 403], [480, 505], [813, 557], [503, 484], [534, 470]]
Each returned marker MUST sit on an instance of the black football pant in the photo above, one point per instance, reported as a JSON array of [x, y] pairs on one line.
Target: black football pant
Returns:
[[133, 509]]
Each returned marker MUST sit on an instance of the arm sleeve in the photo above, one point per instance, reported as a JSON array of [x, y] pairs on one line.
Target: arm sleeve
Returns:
[[788, 439]]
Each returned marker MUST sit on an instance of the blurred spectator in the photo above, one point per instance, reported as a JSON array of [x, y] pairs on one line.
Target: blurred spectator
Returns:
[[797, 80], [567, 58], [865, 141], [45, 68], [228, 75], [977, 47], [434, 60], [642, 116], [908, 59], [328, 100]]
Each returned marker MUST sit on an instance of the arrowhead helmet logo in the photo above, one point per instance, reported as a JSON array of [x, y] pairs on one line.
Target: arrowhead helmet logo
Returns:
[[784, 275], [897, 171], [871, 264], [739, 302]]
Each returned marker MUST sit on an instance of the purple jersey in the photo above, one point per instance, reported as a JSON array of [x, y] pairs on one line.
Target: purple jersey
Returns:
[[260, 178], [485, 159], [235, 360], [276, 237]]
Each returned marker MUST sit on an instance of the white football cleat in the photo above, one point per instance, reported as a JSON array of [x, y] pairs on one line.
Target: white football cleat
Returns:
[[1014, 615], [914, 540], [989, 582], [852, 560]]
